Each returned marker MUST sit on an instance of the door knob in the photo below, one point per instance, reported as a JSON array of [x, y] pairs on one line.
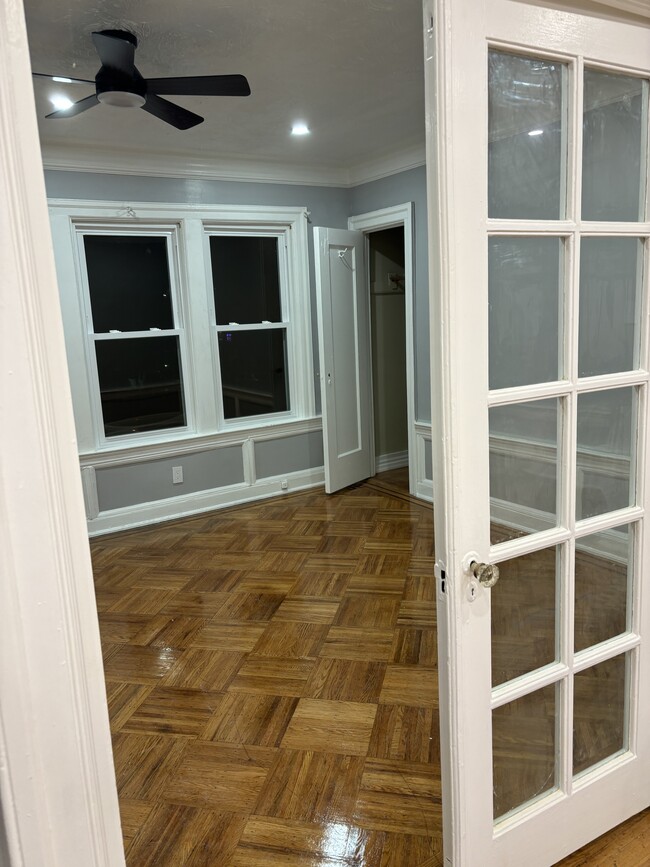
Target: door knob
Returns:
[[485, 573]]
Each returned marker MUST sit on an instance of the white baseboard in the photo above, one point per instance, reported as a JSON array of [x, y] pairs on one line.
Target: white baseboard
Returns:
[[141, 514], [392, 461], [424, 490]]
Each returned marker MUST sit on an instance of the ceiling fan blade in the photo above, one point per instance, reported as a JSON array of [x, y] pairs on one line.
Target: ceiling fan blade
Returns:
[[115, 51], [201, 85], [63, 79], [77, 108], [179, 117]]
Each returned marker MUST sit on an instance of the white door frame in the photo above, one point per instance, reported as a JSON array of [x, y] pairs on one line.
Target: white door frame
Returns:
[[375, 221], [57, 782]]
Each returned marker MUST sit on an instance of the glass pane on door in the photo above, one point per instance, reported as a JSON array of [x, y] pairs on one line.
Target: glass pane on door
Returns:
[[613, 180], [525, 285], [599, 713], [524, 750], [523, 468], [603, 564], [524, 614], [610, 288], [527, 137], [606, 428]]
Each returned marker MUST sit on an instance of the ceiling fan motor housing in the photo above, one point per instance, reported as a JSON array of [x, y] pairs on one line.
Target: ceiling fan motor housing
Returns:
[[115, 86]]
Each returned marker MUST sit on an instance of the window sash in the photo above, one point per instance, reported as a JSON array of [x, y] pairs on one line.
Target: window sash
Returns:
[[169, 233]]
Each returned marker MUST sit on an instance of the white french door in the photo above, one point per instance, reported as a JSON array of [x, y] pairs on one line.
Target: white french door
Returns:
[[539, 242]]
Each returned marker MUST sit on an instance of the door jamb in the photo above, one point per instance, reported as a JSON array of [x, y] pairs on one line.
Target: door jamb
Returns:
[[57, 779], [373, 221]]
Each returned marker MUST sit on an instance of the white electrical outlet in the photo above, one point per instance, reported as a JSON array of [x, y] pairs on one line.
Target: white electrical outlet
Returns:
[[284, 484], [177, 475]]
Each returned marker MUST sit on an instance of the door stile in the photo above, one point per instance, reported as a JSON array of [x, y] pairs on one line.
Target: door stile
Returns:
[[457, 331]]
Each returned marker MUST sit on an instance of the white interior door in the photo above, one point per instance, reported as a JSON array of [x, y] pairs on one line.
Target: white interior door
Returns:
[[344, 350], [538, 167]]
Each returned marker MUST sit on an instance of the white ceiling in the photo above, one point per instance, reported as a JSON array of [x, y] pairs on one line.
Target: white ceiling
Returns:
[[352, 69]]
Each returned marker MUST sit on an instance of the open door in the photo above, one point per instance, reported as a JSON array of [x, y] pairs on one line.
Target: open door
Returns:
[[537, 171], [344, 349]]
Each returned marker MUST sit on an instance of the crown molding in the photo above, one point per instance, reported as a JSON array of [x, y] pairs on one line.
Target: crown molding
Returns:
[[78, 158], [98, 160], [401, 161]]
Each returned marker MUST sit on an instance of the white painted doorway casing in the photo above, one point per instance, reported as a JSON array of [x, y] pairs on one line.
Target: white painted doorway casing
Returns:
[[375, 221], [344, 351], [57, 781], [575, 808]]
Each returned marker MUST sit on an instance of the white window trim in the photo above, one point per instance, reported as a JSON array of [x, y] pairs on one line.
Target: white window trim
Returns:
[[294, 373], [193, 223], [168, 231]]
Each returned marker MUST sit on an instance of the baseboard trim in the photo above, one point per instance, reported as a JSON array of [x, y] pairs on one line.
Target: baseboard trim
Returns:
[[142, 514], [392, 461]]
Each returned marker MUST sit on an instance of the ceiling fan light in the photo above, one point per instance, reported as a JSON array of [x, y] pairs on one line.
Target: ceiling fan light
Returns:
[[61, 103], [121, 98]]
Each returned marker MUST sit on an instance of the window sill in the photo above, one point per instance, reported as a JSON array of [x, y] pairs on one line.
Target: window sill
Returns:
[[110, 454]]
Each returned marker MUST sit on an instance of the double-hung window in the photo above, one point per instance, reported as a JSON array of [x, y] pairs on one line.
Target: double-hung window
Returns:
[[248, 271], [133, 328]]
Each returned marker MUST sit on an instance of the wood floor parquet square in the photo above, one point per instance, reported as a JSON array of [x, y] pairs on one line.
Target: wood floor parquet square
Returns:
[[357, 643], [228, 636], [173, 711], [311, 786], [203, 669], [179, 836], [403, 733], [214, 775], [135, 664], [415, 647], [320, 585], [399, 796], [307, 610], [346, 680], [144, 764], [360, 610], [290, 639], [273, 676], [246, 607], [331, 726], [249, 718], [410, 685]]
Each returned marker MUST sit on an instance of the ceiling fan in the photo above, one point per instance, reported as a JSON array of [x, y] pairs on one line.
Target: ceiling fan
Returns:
[[118, 82]]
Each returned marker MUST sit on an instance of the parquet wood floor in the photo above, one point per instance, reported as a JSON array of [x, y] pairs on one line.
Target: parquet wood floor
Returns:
[[271, 675]]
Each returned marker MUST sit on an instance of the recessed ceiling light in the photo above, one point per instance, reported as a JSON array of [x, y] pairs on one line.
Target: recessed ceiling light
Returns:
[[61, 102], [62, 80], [536, 132], [300, 128]]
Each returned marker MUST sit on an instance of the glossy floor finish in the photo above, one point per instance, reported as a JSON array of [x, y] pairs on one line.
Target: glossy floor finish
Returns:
[[272, 686]]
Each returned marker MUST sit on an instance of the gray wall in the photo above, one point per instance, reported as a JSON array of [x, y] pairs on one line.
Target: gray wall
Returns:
[[408, 186], [122, 486], [148, 481], [329, 206]]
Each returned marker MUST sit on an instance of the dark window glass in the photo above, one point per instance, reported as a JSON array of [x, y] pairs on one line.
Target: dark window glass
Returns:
[[128, 278], [253, 372], [245, 279], [140, 384]]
